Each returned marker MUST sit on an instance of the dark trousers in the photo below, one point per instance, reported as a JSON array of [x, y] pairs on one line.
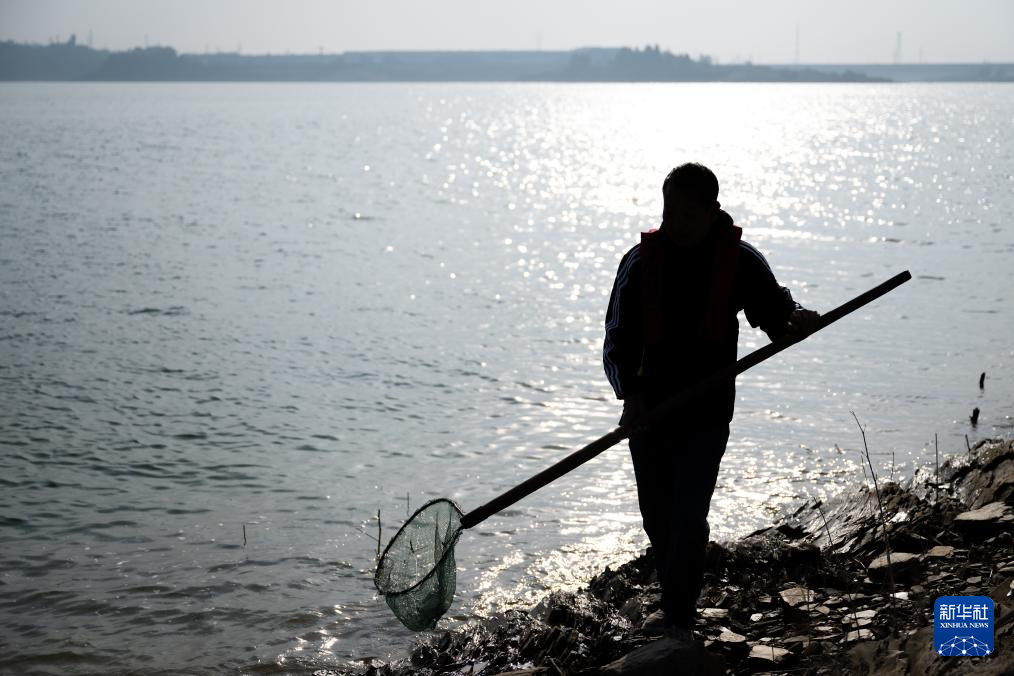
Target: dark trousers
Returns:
[[676, 473]]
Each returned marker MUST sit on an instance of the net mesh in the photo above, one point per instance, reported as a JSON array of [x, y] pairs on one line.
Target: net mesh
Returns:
[[416, 574]]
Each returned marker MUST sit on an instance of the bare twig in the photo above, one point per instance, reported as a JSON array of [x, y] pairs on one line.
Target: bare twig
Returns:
[[378, 536], [244, 535], [367, 534], [936, 450], [883, 518], [866, 478], [866, 481], [827, 529]]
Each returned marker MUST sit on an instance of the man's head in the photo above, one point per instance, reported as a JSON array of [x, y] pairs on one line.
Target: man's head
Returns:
[[690, 193]]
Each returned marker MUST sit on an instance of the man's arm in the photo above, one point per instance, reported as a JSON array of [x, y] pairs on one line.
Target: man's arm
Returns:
[[769, 305], [621, 351]]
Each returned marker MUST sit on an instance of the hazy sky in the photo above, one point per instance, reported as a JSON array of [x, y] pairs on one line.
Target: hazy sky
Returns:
[[730, 30]]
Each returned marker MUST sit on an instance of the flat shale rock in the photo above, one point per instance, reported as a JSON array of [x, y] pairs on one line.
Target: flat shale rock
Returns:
[[667, 657], [794, 596], [902, 564], [731, 637], [768, 654], [990, 478], [859, 635], [940, 552], [995, 517]]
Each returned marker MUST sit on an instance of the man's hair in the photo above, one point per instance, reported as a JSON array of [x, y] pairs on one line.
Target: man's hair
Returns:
[[694, 179]]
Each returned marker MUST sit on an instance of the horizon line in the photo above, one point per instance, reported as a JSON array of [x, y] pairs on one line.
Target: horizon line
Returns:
[[714, 60]]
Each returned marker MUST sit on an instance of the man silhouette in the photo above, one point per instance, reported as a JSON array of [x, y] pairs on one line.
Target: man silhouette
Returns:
[[671, 321]]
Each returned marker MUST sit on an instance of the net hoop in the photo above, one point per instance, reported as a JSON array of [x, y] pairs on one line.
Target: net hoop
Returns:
[[448, 550]]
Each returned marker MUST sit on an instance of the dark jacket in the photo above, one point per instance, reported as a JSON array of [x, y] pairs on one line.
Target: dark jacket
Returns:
[[685, 351]]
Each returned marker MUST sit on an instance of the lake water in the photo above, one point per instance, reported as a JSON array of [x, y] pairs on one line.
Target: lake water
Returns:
[[238, 320]]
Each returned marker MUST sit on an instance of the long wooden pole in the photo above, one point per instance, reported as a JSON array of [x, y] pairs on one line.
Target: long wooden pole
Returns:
[[666, 409]]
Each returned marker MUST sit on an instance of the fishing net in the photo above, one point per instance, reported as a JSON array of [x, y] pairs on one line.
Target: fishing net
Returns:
[[416, 574]]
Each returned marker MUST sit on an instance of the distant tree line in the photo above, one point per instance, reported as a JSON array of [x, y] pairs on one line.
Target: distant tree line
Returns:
[[58, 61], [71, 61]]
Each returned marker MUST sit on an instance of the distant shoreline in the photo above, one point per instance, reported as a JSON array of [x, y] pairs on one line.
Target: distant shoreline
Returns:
[[71, 62]]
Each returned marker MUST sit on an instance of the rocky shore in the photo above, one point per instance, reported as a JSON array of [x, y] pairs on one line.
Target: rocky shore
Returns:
[[814, 594]]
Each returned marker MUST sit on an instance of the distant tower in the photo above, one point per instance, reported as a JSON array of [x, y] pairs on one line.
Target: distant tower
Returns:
[[90, 38], [796, 60], [897, 49]]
